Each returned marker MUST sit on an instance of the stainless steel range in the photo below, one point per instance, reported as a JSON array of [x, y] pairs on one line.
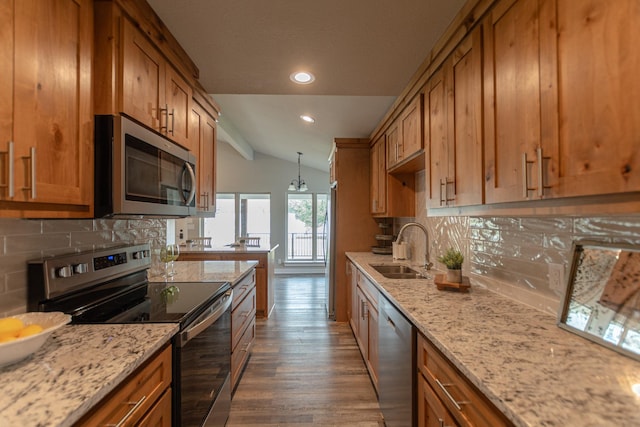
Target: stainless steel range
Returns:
[[110, 286]]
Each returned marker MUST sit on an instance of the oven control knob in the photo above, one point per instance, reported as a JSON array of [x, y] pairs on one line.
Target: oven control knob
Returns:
[[139, 255], [80, 268], [64, 271]]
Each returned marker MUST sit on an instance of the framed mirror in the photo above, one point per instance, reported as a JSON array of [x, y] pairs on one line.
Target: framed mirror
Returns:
[[602, 299]]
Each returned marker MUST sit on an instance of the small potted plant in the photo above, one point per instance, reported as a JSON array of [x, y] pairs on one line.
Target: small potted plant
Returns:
[[453, 260]]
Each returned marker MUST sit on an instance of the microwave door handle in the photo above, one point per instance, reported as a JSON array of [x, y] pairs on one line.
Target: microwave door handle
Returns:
[[192, 175], [223, 304]]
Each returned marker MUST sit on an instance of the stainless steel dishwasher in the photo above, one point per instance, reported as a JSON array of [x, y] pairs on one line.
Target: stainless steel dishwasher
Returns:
[[396, 348]]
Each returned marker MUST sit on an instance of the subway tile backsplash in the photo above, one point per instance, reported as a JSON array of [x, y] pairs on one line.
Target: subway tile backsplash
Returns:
[[23, 240], [510, 255]]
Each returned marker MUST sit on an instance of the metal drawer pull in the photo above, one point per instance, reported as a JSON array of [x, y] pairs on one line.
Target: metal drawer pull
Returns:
[[124, 419], [32, 162], [390, 322], [444, 389], [541, 160], [525, 176], [9, 183]]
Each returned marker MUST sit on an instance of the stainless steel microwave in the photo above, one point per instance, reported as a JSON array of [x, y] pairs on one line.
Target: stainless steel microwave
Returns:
[[139, 172]]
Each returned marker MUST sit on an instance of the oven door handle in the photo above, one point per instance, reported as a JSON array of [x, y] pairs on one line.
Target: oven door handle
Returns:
[[217, 310]]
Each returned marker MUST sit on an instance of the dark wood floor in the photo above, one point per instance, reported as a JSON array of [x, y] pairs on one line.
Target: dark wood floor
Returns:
[[304, 370]]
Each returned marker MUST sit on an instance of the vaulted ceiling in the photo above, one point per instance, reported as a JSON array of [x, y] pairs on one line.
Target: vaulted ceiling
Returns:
[[362, 53]]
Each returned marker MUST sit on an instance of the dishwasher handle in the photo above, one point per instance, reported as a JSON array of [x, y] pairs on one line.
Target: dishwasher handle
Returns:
[[216, 311]]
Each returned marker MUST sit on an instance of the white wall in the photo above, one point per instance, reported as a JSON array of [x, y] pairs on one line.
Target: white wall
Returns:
[[263, 174]]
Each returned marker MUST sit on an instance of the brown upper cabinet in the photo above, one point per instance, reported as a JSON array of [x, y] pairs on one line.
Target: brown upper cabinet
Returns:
[[453, 128], [404, 136], [560, 95], [46, 117], [133, 76], [378, 177], [203, 136]]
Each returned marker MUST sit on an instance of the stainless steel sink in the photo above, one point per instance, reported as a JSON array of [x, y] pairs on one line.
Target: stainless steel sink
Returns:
[[397, 271]]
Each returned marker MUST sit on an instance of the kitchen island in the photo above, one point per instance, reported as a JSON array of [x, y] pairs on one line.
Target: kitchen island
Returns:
[[74, 370], [265, 256], [531, 370]]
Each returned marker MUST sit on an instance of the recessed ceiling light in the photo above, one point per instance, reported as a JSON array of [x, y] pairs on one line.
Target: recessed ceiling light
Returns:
[[308, 119], [302, 77]]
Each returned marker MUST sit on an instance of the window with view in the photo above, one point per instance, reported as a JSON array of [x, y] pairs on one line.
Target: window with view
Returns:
[[306, 223], [240, 215]]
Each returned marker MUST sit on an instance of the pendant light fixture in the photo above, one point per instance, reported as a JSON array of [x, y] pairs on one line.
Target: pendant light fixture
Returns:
[[298, 184]]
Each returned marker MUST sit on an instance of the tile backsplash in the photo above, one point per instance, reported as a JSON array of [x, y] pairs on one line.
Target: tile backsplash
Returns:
[[511, 255], [23, 240]]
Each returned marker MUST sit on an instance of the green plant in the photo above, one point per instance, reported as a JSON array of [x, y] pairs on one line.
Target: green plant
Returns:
[[452, 259]]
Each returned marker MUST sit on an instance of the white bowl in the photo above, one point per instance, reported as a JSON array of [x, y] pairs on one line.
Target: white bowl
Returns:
[[14, 351]]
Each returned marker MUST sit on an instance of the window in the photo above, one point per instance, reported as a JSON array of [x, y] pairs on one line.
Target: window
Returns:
[[240, 215], [306, 222]]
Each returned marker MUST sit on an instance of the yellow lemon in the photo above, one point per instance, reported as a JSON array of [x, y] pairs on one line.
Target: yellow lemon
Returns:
[[10, 326], [30, 330]]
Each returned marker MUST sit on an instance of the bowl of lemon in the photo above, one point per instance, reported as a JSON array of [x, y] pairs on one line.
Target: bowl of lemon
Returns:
[[23, 334]]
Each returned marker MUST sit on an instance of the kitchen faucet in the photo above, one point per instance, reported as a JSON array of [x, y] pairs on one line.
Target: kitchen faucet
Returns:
[[427, 264]]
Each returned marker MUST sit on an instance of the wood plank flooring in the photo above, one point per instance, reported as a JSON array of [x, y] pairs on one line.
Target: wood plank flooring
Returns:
[[304, 369]]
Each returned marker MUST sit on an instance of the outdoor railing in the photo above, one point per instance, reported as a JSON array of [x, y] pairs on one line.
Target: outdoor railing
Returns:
[[301, 246]]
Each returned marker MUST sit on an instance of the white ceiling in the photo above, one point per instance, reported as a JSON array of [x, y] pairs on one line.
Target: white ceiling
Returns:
[[362, 52]]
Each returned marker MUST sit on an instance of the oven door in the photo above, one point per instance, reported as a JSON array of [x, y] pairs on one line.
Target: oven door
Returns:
[[202, 366]]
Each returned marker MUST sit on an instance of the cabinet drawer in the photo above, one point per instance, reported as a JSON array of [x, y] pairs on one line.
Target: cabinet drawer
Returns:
[[160, 414], [241, 289], [468, 406], [244, 313], [241, 353], [368, 288], [133, 398]]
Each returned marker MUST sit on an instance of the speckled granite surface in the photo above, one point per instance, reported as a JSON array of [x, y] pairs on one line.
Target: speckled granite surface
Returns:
[[536, 373], [205, 271], [74, 370]]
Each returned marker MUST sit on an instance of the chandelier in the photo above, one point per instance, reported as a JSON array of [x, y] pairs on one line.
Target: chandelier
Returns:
[[298, 184]]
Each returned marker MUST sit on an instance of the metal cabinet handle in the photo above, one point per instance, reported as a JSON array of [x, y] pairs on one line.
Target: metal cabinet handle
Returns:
[[9, 185], [390, 322], [541, 159], [32, 173], [164, 111], [441, 422], [446, 392], [173, 119], [525, 176], [443, 184], [449, 182], [124, 419]]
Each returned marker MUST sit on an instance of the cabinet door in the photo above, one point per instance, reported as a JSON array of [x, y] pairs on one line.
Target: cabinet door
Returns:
[[431, 411], [597, 149], [512, 99], [412, 135], [464, 184], [208, 163], [178, 96], [6, 93], [378, 177], [372, 342], [53, 122], [363, 323], [143, 79], [394, 144], [436, 131]]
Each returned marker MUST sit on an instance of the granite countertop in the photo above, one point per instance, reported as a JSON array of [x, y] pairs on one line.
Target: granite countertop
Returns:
[[534, 372], [205, 271], [227, 249], [76, 367]]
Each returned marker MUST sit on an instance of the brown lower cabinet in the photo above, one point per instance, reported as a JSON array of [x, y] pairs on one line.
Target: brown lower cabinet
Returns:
[[143, 399], [445, 397], [243, 324]]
